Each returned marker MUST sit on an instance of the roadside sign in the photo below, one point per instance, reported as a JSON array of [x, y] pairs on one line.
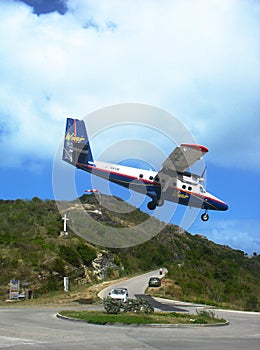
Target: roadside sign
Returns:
[[24, 284], [14, 289]]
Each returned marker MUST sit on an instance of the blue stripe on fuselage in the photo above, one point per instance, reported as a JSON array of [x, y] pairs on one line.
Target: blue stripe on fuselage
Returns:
[[153, 189], [200, 201], [122, 179]]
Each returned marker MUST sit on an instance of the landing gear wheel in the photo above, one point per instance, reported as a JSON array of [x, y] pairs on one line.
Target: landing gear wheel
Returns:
[[204, 217], [151, 205]]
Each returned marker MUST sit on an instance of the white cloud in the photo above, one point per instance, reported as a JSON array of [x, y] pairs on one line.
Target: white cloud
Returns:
[[238, 234], [196, 59]]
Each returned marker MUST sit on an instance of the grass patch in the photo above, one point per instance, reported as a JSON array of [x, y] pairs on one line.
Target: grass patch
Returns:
[[98, 317]]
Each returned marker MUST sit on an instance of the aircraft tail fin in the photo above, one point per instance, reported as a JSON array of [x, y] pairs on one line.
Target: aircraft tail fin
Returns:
[[76, 149]]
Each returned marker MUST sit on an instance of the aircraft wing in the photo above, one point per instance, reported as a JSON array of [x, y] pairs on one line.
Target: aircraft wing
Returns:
[[182, 158]]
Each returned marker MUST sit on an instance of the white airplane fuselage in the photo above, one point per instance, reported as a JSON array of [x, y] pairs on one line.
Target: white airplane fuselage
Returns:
[[185, 189]]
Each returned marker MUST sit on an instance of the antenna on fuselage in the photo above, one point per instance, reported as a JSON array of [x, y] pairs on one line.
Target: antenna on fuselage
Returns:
[[202, 175]]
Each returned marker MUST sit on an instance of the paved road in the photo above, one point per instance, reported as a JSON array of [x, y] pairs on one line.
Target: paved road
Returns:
[[32, 328], [39, 328], [136, 285]]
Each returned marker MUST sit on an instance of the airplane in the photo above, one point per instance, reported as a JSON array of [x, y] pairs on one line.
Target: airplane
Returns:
[[172, 183]]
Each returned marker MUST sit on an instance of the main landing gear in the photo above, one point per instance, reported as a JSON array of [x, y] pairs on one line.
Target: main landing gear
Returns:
[[205, 216], [151, 205], [158, 203], [155, 203]]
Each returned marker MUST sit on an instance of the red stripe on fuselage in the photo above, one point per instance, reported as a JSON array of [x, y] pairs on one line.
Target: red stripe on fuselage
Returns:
[[203, 197], [118, 174]]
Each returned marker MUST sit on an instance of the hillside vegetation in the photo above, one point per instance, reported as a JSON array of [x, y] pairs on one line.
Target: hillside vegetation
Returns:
[[33, 250]]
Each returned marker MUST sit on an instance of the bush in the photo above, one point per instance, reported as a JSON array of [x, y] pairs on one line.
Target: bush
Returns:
[[205, 313], [139, 305], [69, 255], [251, 303], [58, 265], [51, 284], [112, 306], [86, 253]]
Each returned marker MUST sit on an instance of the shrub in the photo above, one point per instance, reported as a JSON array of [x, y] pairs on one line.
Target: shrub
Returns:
[[86, 253], [51, 284], [139, 305], [112, 306], [69, 255], [251, 303], [58, 266], [205, 313]]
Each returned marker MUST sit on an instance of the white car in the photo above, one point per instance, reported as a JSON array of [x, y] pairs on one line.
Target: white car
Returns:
[[119, 294]]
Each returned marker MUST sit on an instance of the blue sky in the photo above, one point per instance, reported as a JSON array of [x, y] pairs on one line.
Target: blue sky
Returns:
[[198, 60]]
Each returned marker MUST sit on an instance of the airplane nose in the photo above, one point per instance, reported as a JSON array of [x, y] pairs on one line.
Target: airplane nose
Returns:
[[214, 203], [224, 206]]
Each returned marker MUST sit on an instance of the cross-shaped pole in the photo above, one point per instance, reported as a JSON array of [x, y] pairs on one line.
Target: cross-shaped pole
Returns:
[[65, 219]]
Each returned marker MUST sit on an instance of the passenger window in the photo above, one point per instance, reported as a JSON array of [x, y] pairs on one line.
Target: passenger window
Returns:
[[141, 176], [184, 186], [156, 178], [151, 177], [189, 188]]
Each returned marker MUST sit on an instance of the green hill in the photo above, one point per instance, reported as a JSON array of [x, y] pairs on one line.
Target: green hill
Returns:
[[33, 250]]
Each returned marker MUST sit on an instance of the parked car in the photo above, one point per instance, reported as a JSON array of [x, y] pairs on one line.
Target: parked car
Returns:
[[154, 282], [119, 294], [22, 295]]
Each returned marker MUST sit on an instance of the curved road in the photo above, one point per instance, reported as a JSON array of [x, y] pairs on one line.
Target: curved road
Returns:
[[136, 285], [39, 328]]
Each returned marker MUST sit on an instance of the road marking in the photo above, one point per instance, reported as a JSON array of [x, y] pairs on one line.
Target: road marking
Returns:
[[6, 342], [240, 312]]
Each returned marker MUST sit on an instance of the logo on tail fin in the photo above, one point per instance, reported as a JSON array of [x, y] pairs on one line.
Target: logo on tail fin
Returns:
[[76, 145], [71, 137]]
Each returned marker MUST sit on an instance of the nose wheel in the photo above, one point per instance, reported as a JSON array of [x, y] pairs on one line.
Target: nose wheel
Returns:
[[205, 216]]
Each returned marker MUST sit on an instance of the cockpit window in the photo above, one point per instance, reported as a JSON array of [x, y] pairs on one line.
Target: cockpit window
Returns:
[[202, 190]]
